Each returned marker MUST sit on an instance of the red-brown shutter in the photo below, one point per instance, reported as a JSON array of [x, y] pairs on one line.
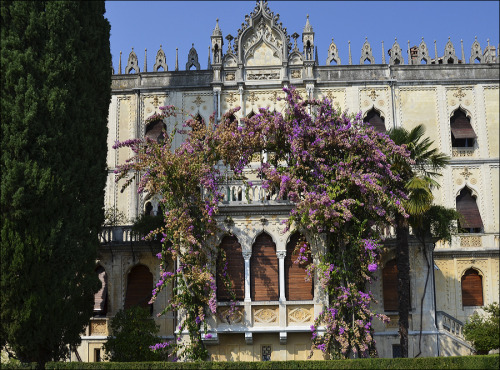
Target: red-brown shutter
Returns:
[[100, 298], [155, 130], [139, 287], [296, 288], [264, 285], [472, 288], [374, 119], [235, 270], [390, 286], [467, 207], [460, 126]]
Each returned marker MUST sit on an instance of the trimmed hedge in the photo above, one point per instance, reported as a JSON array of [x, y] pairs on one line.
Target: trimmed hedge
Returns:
[[459, 362]]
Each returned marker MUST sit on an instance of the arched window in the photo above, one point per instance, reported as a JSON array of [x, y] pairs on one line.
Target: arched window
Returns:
[[390, 286], [234, 268], [462, 133], [148, 210], [264, 285], [101, 297], [472, 288], [139, 287], [296, 287], [470, 221], [374, 119], [154, 130]]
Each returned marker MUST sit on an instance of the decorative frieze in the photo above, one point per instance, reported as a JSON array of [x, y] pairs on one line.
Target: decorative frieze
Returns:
[[300, 314], [98, 327], [263, 74], [265, 315]]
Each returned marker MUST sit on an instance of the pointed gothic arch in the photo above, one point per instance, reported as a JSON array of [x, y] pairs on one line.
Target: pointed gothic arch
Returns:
[[376, 119], [462, 132], [472, 288], [471, 221]]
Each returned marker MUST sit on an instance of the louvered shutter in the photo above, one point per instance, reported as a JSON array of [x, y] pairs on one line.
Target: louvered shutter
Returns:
[[390, 286], [460, 126], [139, 287], [100, 298], [467, 207], [264, 285], [472, 288], [296, 288], [235, 269]]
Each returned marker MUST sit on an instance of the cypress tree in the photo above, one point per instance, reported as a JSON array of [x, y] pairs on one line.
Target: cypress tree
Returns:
[[56, 90]]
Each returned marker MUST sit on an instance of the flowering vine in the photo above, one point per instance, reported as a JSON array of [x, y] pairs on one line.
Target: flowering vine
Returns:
[[335, 169]]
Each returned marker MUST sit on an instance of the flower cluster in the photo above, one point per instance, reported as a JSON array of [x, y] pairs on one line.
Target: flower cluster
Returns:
[[336, 169]]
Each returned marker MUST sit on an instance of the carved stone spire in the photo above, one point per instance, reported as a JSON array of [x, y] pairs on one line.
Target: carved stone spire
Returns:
[[209, 65], [145, 60], [217, 31], [383, 52], [307, 27], [120, 64]]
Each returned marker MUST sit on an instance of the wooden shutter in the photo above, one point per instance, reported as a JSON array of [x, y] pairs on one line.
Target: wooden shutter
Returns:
[[296, 288], [460, 126], [264, 285], [467, 207], [235, 269], [390, 286], [139, 287], [374, 119], [472, 288], [155, 130], [100, 298]]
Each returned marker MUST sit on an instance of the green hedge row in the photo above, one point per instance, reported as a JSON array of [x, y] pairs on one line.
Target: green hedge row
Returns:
[[463, 362]]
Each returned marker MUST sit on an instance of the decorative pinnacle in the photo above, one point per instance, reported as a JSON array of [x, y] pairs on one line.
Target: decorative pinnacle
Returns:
[[160, 46], [422, 38]]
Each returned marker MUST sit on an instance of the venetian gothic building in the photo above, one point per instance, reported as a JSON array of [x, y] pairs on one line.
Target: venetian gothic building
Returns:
[[457, 99]]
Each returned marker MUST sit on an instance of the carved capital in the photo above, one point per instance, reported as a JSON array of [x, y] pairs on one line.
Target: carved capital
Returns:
[[247, 255], [281, 254]]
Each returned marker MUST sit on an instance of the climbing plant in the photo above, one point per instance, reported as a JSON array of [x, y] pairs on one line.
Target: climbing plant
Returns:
[[335, 169]]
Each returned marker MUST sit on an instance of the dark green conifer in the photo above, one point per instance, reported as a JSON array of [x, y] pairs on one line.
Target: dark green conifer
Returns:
[[56, 89]]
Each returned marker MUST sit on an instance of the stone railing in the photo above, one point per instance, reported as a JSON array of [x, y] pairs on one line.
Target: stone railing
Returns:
[[118, 234], [237, 193], [462, 152], [450, 324]]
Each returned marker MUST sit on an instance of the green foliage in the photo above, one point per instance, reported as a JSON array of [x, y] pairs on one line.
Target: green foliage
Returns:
[[458, 362], [113, 217], [483, 330], [133, 332], [437, 222], [55, 95], [144, 224]]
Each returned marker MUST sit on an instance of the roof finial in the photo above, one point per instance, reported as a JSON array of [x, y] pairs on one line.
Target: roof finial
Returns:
[[120, 64], [176, 59]]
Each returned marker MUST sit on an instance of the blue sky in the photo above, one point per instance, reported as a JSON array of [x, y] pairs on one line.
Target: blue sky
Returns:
[[147, 24]]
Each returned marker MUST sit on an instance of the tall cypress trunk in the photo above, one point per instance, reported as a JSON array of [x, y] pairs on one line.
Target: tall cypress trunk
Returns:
[[403, 262]]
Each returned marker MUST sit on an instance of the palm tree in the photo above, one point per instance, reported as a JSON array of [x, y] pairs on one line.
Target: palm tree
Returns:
[[420, 179]]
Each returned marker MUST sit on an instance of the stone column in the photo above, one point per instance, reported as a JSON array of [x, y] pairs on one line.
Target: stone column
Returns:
[[240, 91], [246, 257], [281, 259]]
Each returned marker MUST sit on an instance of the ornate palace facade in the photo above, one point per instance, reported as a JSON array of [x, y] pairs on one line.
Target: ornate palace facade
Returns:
[[456, 98]]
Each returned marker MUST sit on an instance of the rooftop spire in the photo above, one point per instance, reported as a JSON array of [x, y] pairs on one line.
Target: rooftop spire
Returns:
[[217, 31], [307, 27]]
